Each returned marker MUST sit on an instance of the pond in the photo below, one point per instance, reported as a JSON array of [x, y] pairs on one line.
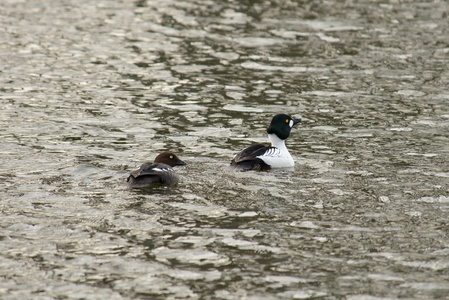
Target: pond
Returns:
[[92, 89]]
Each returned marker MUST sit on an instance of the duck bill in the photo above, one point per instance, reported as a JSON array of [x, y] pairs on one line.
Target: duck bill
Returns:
[[296, 121], [180, 163]]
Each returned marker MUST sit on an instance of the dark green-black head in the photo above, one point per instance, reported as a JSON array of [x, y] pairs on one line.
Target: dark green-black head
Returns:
[[281, 125]]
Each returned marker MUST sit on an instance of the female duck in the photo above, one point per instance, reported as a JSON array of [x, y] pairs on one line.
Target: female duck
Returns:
[[159, 171]]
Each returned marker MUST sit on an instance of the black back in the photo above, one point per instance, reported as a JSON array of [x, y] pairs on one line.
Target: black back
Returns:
[[247, 159]]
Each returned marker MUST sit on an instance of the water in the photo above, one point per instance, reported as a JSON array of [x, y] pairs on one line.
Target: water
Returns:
[[90, 90]]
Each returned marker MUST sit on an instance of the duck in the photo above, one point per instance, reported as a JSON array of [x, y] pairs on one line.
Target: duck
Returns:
[[160, 171], [262, 158]]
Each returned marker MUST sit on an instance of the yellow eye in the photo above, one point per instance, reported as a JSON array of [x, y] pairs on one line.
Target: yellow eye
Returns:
[[286, 121], [171, 156]]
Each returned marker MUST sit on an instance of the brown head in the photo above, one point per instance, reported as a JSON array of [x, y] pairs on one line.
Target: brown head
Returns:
[[169, 158]]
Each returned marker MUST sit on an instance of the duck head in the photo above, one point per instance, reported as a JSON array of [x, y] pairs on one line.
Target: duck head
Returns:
[[281, 125]]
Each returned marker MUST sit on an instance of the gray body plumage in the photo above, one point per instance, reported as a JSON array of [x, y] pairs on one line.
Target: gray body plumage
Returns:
[[150, 173], [158, 172]]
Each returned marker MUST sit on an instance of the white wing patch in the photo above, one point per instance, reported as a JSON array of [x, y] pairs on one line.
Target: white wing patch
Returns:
[[276, 158], [272, 152], [162, 170]]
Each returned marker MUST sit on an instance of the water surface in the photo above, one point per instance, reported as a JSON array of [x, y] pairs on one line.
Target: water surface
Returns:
[[90, 90]]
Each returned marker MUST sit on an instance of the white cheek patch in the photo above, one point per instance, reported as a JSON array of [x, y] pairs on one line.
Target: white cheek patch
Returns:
[[290, 123]]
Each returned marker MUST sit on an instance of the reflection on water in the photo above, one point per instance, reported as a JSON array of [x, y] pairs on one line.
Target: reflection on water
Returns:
[[91, 91]]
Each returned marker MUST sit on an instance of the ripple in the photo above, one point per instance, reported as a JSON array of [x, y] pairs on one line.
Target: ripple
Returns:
[[325, 128], [258, 66], [89, 91], [259, 41], [426, 286], [440, 199], [242, 108], [303, 294], [196, 256], [411, 93]]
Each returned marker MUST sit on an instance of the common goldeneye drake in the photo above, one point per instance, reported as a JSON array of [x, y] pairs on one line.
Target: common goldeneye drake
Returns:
[[258, 157], [159, 171]]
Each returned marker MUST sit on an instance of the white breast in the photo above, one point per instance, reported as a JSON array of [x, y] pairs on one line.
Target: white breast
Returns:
[[278, 161], [277, 157]]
